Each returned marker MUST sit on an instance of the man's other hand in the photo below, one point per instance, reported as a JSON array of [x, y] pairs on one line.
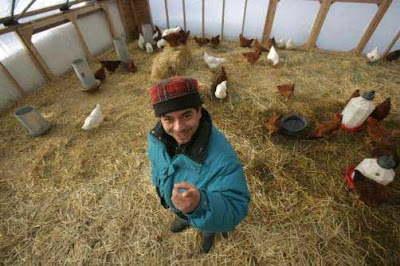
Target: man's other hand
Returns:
[[188, 200]]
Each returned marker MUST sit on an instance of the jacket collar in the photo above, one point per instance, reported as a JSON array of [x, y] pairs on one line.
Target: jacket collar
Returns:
[[196, 148]]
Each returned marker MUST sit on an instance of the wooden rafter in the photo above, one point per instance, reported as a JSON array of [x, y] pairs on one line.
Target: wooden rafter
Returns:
[[269, 20], [121, 14], [372, 26], [319, 21], [107, 12], [391, 44], [5, 71]]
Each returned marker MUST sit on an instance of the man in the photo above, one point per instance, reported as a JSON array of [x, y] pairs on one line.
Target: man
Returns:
[[195, 170]]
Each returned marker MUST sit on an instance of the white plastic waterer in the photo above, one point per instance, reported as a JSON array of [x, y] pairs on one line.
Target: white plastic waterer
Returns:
[[378, 169], [357, 111]]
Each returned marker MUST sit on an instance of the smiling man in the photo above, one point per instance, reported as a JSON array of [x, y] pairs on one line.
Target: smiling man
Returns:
[[194, 168]]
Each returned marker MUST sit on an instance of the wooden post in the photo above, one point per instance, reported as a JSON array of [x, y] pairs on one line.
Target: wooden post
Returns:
[[5, 71], [202, 18], [244, 15], [372, 26], [73, 18], [319, 21], [269, 20], [391, 45], [135, 18], [223, 20], [114, 33], [25, 35], [166, 12], [184, 14]]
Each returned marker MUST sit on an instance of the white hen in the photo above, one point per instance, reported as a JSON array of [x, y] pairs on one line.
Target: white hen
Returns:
[[94, 119], [373, 56], [273, 56], [172, 30], [281, 43], [149, 48], [213, 62], [220, 91], [141, 41], [155, 35], [161, 43], [289, 44]]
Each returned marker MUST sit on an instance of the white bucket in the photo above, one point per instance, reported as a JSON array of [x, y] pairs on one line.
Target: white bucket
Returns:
[[32, 120], [85, 74], [122, 50]]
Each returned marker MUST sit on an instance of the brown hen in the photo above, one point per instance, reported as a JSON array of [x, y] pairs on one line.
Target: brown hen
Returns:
[[273, 124], [286, 90], [244, 42], [131, 67], [386, 148], [183, 36], [382, 110], [252, 57], [214, 42], [393, 55], [173, 39], [201, 41], [221, 77], [326, 129], [100, 74], [258, 46], [110, 65], [355, 93], [377, 132]]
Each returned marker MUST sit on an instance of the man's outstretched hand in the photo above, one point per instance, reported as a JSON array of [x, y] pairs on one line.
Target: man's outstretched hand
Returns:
[[188, 200]]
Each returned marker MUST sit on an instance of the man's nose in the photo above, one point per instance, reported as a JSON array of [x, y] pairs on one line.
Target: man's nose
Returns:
[[179, 125]]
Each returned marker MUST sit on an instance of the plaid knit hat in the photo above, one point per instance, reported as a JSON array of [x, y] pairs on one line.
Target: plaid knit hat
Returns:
[[173, 94]]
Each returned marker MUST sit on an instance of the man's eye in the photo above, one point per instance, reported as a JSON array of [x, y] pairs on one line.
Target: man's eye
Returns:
[[187, 116], [167, 120]]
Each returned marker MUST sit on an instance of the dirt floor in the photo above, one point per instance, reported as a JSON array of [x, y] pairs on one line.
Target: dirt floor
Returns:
[[85, 197]]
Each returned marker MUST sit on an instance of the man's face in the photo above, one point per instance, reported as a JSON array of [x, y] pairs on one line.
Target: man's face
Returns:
[[182, 124]]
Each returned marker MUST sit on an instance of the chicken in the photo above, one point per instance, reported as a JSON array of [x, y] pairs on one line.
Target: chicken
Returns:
[[252, 57], [273, 124], [281, 43], [171, 30], [377, 132], [141, 41], [355, 93], [289, 44], [270, 43], [286, 90], [149, 48], [221, 77], [372, 193], [326, 129], [183, 36], [94, 119], [258, 46], [393, 55], [201, 41], [157, 34], [244, 42], [110, 65], [214, 42], [131, 67], [211, 61], [273, 56], [382, 110], [395, 133], [220, 91], [373, 56], [386, 148], [161, 43], [172, 39], [100, 74]]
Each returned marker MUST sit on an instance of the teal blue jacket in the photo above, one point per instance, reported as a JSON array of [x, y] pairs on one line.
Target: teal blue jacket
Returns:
[[224, 196]]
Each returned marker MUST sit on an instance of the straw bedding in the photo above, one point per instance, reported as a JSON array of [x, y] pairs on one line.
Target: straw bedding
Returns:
[[76, 197]]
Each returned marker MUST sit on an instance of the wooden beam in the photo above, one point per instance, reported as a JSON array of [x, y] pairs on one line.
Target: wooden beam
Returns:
[[319, 21], [5, 71], [184, 14], [223, 20], [372, 26], [244, 15], [391, 45], [166, 12], [74, 18], [109, 20], [202, 18], [269, 20], [135, 18], [25, 36], [121, 14], [354, 1]]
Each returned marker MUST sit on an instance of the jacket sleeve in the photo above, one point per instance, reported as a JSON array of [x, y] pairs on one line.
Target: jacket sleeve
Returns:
[[224, 203]]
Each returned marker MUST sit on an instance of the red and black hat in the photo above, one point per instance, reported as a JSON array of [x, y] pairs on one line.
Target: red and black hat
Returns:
[[173, 94]]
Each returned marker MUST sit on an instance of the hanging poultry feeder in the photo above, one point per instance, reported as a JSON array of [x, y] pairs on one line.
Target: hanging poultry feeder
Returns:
[[32, 120], [85, 74], [293, 124], [122, 50]]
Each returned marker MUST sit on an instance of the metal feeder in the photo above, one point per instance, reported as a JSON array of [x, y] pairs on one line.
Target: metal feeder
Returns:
[[122, 50], [85, 74], [32, 120]]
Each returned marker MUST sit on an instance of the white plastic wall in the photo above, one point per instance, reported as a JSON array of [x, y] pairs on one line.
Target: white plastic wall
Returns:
[[159, 17], [175, 18], [96, 32], [8, 93], [59, 47]]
